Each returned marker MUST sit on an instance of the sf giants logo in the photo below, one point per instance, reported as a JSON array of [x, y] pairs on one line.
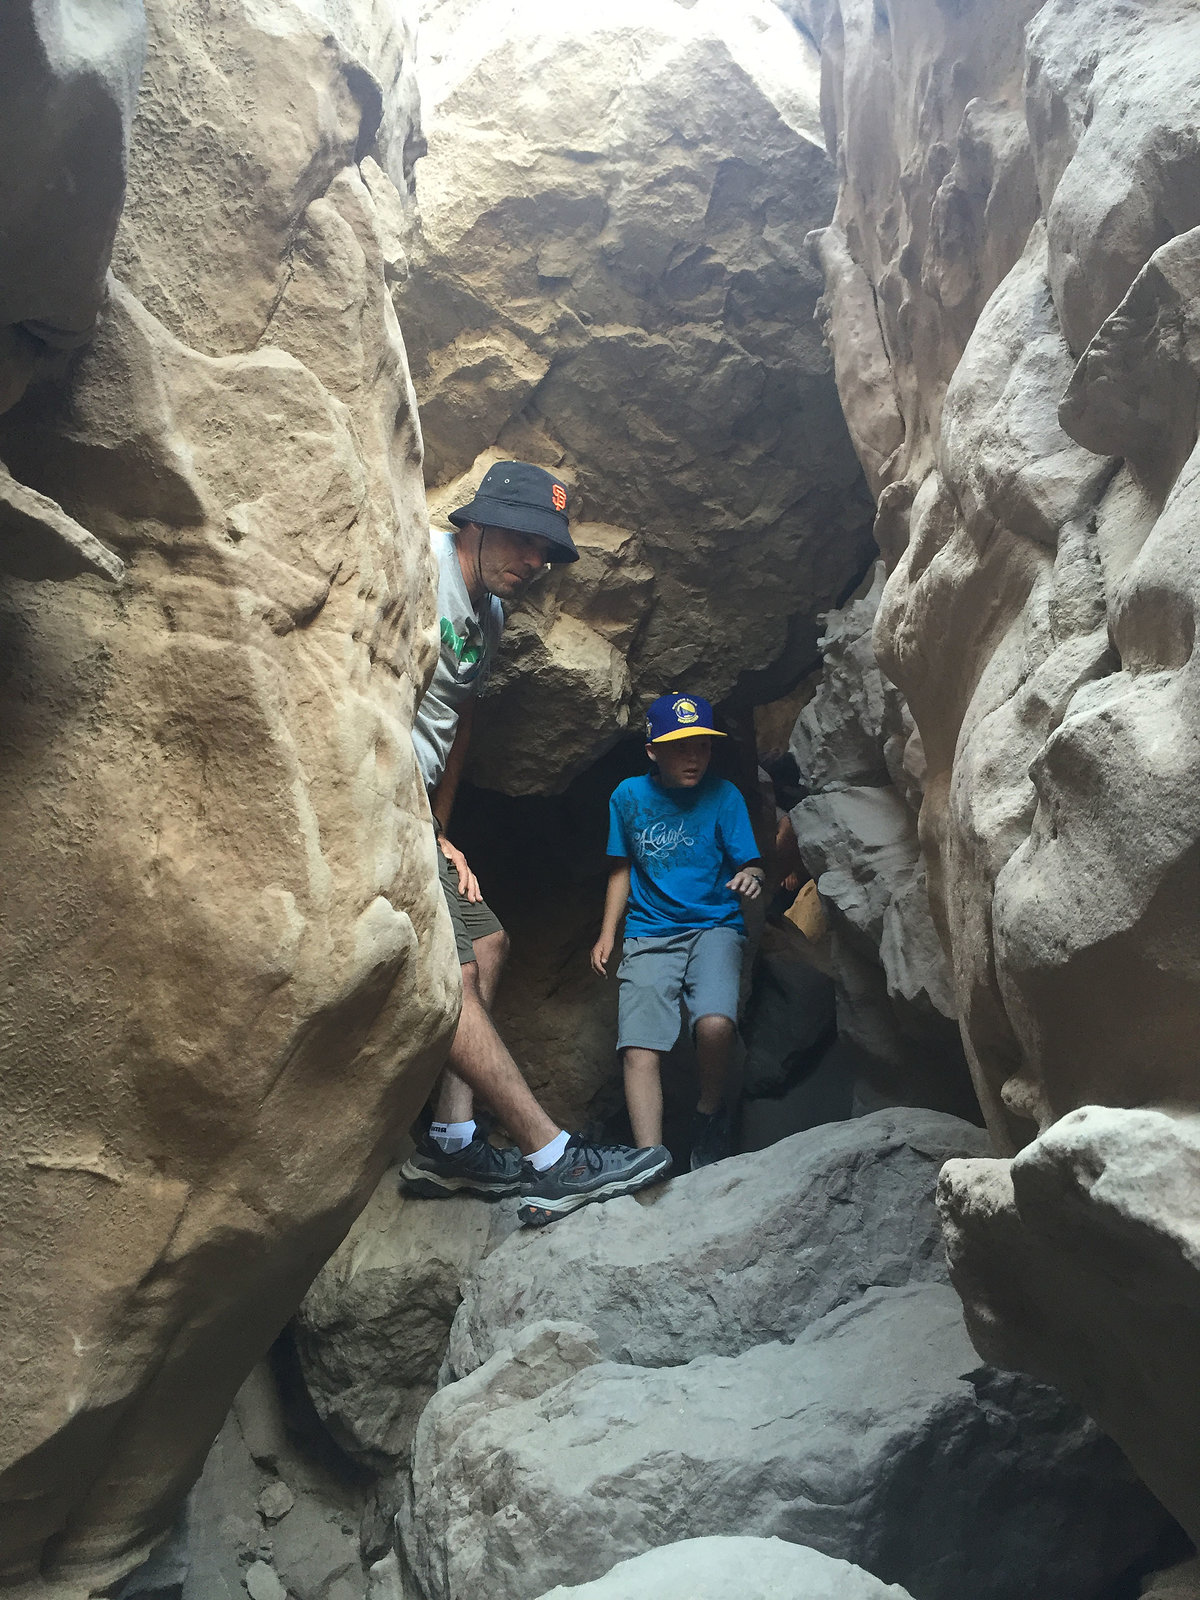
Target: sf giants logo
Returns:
[[558, 495]]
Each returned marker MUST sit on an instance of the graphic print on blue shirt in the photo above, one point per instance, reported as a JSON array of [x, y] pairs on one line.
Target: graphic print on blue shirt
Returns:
[[683, 846]]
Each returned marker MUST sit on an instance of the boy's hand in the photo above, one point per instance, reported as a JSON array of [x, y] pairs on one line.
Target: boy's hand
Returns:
[[468, 883], [601, 951], [747, 882]]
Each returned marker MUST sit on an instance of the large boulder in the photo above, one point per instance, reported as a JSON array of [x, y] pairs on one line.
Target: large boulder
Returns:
[[1076, 1259], [718, 1568], [610, 277], [874, 1437], [228, 970], [737, 1254]]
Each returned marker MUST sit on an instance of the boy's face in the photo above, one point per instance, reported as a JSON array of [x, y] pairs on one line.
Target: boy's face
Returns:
[[682, 762]]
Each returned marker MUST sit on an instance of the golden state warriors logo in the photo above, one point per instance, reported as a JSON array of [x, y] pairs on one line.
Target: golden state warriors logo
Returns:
[[685, 711], [558, 496]]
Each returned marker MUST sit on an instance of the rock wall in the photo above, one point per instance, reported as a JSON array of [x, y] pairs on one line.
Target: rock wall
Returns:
[[861, 759], [610, 278], [1012, 275], [227, 969]]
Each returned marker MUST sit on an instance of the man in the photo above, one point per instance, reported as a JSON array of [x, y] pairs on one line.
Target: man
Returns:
[[504, 539]]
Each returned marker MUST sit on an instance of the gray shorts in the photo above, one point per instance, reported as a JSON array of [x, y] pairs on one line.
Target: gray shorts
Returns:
[[703, 968], [471, 919]]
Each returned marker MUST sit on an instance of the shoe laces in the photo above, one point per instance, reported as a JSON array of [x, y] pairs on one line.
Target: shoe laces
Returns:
[[594, 1154]]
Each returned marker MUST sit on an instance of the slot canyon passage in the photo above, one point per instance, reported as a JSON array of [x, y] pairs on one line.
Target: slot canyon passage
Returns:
[[865, 335]]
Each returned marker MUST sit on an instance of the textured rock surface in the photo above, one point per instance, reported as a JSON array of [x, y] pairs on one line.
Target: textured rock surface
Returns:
[[1078, 1261], [611, 278], [737, 1254], [1012, 277], [373, 1330], [227, 972], [874, 1437], [715, 1569], [857, 752]]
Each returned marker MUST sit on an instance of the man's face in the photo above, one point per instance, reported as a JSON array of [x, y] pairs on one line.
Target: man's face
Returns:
[[682, 762], [510, 561]]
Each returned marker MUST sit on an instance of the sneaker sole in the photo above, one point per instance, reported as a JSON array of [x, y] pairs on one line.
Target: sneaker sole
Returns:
[[536, 1213], [425, 1186]]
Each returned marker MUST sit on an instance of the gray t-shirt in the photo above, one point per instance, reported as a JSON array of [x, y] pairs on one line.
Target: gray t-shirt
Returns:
[[469, 642]]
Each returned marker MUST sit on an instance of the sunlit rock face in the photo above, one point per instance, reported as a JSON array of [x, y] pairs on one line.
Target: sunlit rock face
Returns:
[[227, 973], [611, 279], [1012, 281]]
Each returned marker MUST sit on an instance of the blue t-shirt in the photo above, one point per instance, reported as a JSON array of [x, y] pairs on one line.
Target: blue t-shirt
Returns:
[[683, 846]]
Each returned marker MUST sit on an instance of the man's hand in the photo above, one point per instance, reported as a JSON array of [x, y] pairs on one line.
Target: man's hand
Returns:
[[468, 883], [747, 882], [601, 951]]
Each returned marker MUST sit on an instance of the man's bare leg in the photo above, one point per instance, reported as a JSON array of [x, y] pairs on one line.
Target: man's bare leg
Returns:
[[454, 1101], [643, 1095], [480, 1059]]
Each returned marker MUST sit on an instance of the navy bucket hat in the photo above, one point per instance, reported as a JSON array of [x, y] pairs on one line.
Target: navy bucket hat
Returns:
[[525, 499]]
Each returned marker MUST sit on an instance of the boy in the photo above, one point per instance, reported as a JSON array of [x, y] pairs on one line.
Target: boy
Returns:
[[674, 838]]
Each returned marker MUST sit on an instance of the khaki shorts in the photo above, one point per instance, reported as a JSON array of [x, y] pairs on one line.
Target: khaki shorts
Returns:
[[471, 920], [701, 968]]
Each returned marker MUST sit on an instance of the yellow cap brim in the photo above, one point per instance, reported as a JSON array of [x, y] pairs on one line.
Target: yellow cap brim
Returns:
[[688, 733]]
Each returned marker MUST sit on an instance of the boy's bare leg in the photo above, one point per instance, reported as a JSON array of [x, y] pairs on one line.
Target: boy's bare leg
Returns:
[[454, 1101], [714, 1047], [479, 1058], [643, 1095]]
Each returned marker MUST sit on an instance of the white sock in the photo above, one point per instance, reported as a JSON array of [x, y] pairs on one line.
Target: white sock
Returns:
[[549, 1153], [452, 1136]]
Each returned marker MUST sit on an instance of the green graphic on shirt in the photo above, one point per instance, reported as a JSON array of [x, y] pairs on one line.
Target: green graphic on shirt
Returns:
[[468, 654]]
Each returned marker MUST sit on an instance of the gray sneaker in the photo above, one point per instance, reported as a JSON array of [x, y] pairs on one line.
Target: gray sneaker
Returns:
[[586, 1172], [431, 1173]]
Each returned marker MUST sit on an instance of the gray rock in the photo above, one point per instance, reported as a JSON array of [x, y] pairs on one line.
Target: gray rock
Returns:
[[875, 1437], [733, 1569], [752, 1249], [262, 1582], [373, 1329], [275, 1501]]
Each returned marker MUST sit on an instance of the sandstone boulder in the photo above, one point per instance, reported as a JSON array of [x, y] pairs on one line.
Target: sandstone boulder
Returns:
[[610, 277], [715, 1569], [874, 1437], [753, 1249], [228, 972]]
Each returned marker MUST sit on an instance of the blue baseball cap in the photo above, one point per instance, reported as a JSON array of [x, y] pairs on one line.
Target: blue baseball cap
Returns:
[[680, 716]]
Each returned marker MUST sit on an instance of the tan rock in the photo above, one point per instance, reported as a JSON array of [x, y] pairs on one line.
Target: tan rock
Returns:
[[228, 972], [610, 278]]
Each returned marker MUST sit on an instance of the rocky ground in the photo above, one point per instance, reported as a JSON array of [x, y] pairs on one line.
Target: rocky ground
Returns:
[[764, 1357]]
